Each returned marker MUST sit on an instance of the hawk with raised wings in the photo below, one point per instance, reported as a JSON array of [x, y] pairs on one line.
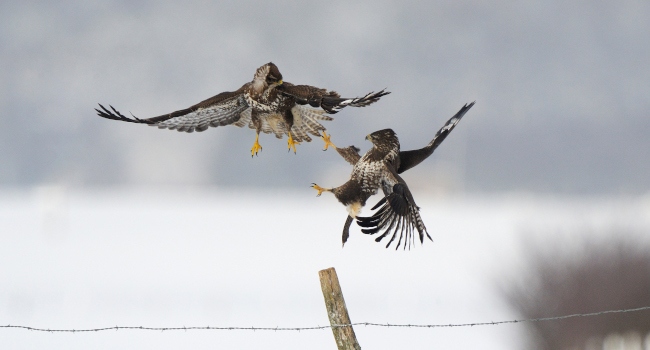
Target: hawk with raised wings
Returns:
[[398, 215], [266, 104]]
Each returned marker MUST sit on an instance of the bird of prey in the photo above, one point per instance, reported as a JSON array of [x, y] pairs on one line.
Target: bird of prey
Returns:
[[267, 104], [398, 215]]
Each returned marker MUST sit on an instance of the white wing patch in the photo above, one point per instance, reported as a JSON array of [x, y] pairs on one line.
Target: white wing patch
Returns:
[[450, 124], [366, 100]]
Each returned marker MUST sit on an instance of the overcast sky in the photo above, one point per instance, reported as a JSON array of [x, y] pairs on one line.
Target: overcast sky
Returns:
[[562, 106], [561, 88]]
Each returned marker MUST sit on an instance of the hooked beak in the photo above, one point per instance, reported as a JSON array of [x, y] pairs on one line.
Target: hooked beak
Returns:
[[279, 82]]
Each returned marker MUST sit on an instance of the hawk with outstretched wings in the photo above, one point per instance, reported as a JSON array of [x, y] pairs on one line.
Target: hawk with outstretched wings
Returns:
[[398, 215], [266, 104]]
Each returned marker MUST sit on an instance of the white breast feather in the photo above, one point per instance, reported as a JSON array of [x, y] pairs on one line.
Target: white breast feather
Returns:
[[258, 106], [366, 173], [354, 209]]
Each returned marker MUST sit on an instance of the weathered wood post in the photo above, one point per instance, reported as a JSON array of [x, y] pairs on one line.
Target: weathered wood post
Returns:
[[336, 310]]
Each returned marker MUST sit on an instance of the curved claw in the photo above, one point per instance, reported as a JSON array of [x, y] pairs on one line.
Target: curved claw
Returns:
[[256, 146], [319, 189], [291, 143], [328, 143]]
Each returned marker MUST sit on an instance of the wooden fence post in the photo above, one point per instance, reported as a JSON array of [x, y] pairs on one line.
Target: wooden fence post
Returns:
[[336, 310]]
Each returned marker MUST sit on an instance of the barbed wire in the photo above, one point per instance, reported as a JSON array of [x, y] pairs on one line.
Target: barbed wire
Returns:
[[372, 324]]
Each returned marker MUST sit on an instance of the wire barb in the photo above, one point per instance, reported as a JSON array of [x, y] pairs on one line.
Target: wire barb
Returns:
[[387, 325]]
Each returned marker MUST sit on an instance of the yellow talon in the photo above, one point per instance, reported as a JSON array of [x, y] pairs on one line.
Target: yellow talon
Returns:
[[292, 144], [256, 146], [319, 189], [328, 143]]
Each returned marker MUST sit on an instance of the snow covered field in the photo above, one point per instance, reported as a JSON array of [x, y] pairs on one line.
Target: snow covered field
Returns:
[[220, 257]]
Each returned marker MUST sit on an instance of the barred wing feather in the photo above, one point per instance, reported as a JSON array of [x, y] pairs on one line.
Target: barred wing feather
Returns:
[[398, 216], [223, 109]]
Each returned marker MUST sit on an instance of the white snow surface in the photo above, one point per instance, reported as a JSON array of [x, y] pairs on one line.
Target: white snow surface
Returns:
[[223, 257]]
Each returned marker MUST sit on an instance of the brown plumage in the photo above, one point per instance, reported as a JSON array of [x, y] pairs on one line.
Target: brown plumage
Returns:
[[397, 214], [266, 104]]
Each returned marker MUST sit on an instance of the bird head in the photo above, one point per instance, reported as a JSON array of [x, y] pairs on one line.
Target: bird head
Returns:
[[273, 76], [266, 76], [383, 141], [385, 134]]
